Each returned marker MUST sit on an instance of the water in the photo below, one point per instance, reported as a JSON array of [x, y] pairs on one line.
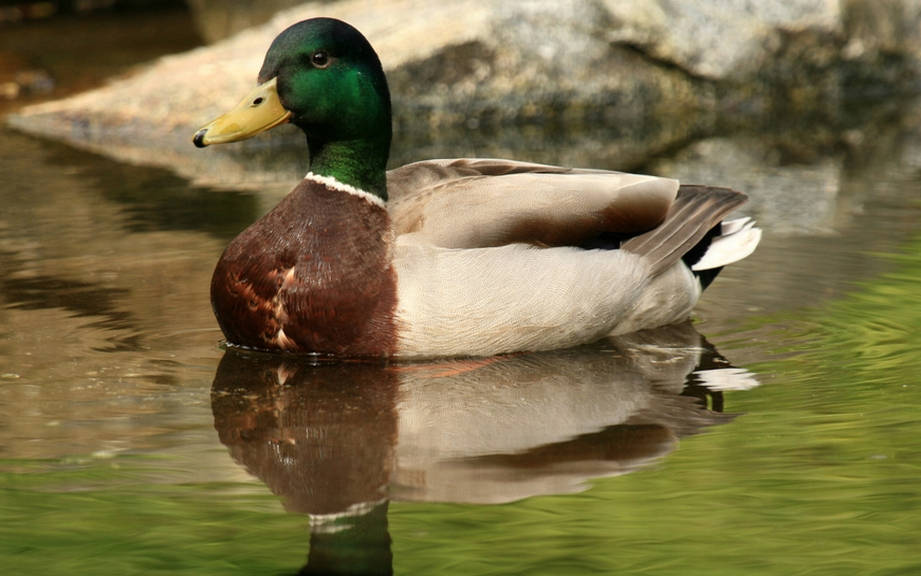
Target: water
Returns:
[[775, 435]]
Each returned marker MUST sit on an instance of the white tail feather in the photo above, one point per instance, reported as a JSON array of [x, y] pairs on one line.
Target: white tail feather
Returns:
[[738, 239], [728, 227], [727, 379]]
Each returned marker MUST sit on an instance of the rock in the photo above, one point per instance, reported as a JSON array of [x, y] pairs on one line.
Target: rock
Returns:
[[652, 74], [718, 39], [218, 19]]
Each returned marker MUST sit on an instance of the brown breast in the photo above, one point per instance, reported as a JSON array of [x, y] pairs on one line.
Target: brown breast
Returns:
[[312, 275]]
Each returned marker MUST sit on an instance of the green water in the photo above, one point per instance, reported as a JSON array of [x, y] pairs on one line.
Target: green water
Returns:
[[775, 435]]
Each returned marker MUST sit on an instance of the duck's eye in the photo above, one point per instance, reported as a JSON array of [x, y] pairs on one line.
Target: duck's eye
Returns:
[[258, 101], [320, 59]]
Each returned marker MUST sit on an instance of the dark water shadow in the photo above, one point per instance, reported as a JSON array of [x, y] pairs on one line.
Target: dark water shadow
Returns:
[[338, 441]]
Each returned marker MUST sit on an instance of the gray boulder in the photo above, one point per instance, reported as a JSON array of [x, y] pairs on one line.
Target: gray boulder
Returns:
[[652, 73]]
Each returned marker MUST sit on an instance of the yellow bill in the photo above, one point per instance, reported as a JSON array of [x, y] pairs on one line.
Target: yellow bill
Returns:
[[259, 111]]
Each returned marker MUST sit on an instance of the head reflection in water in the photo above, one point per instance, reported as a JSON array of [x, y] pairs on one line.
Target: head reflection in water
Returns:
[[336, 441]]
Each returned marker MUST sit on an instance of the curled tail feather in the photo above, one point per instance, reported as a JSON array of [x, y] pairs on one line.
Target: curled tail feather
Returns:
[[692, 231]]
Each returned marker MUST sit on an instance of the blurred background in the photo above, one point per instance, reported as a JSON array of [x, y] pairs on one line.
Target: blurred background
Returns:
[[776, 434]]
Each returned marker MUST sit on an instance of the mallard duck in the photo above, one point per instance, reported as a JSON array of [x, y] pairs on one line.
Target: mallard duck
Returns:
[[446, 257]]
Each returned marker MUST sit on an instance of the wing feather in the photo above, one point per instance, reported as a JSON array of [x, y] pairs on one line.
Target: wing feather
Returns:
[[473, 203]]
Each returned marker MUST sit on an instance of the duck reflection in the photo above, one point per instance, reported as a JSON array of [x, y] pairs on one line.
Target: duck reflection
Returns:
[[321, 436], [338, 440]]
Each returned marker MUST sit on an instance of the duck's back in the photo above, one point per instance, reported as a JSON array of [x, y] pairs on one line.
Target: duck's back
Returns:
[[476, 203], [521, 277]]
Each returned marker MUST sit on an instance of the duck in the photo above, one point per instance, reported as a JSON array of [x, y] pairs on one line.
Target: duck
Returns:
[[446, 257]]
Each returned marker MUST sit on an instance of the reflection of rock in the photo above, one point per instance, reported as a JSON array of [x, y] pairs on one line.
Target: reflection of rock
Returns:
[[795, 198], [826, 207], [667, 69], [105, 269]]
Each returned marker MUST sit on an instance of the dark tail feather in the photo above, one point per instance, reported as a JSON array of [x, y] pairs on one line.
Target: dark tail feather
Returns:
[[690, 225], [697, 252]]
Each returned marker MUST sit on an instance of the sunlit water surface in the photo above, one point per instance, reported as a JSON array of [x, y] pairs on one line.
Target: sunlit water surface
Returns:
[[778, 434]]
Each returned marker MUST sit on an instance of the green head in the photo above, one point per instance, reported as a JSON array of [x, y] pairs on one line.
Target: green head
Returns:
[[323, 76]]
